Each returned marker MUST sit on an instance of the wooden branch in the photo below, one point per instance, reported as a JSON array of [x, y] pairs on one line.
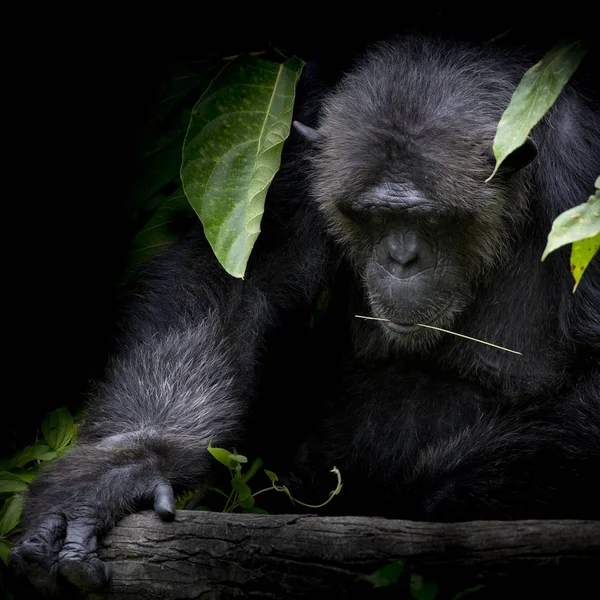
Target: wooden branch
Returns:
[[215, 555]]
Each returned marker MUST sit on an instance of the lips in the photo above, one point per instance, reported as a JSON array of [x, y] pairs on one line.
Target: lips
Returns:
[[411, 327], [401, 327]]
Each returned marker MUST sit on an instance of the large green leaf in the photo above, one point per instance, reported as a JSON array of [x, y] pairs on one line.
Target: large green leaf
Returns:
[[232, 151], [577, 223], [582, 253], [535, 94], [579, 226]]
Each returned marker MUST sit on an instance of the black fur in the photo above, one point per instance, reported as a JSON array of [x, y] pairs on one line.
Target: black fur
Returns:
[[385, 205]]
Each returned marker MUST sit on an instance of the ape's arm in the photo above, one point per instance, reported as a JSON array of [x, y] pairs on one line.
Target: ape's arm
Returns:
[[183, 378]]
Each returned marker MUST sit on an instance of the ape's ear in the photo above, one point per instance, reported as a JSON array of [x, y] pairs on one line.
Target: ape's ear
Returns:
[[519, 158], [308, 133]]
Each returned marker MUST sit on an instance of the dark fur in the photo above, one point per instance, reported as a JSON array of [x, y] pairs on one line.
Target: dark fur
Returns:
[[422, 425]]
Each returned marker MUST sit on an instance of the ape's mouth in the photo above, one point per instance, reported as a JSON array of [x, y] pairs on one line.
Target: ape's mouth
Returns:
[[401, 327], [413, 327]]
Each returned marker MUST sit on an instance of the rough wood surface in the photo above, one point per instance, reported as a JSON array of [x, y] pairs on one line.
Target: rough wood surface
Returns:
[[214, 555]]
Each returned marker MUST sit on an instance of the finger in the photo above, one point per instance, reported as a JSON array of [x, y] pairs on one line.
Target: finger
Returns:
[[78, 559], [35, 557], [164, 501]]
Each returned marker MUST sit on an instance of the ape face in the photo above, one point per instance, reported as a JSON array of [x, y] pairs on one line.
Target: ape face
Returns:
[[413, 260], [402, 153]]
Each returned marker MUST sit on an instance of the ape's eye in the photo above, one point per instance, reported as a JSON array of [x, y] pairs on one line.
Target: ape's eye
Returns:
[[365, 215]]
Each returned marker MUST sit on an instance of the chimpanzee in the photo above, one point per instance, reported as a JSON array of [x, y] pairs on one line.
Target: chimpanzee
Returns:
[[381, 206]]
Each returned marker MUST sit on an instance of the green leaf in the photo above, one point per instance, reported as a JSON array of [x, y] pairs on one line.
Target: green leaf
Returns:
[[577, 223], [183, 499], [38, 451], [238, 458], [257, 463], [535, 94], [271, 476], [11, 483], [232, 151], [5, 547], [58, 428], [386, 576], [421, 589], [161, 230], [27, 475], [223, 456], [246, 502], [243, 490], [580, 226], [582, 253], [10, 514]]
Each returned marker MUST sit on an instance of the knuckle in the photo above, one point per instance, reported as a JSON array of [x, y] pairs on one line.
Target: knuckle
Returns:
[[90, 574], [33, 550], [73, 551]]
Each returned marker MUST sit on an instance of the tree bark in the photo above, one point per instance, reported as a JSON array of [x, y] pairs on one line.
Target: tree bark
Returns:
[[215, 555]]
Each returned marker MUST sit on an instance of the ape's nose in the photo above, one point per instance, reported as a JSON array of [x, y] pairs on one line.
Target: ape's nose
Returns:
[[404, 254]]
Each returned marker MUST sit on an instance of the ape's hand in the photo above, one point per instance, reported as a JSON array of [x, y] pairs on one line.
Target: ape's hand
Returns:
[[61, 526]]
